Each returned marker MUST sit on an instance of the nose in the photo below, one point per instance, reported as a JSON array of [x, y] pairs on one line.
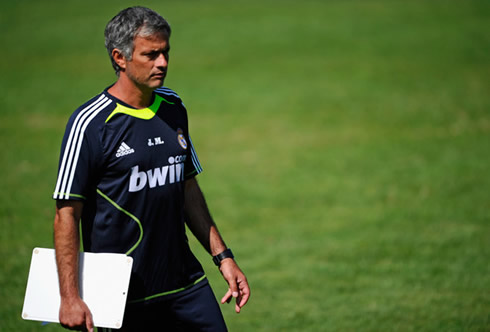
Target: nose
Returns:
[[161, 61]]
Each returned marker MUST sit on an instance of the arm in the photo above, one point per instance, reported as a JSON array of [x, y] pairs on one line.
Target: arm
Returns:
[[74, 313], [204, 229]]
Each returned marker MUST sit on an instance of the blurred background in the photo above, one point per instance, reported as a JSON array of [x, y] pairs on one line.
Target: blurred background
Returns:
[[345, 147]]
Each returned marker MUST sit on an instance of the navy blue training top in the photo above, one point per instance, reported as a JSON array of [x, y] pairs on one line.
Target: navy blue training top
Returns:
[[128, 166]]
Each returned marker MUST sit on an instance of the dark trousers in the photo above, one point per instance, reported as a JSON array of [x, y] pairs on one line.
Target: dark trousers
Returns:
[[195, 309]]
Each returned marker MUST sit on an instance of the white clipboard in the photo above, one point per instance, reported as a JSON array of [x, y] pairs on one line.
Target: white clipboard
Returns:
[[104, 281]]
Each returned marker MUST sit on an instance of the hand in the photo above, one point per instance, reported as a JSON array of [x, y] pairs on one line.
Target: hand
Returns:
[[75, 315], [237, 283]]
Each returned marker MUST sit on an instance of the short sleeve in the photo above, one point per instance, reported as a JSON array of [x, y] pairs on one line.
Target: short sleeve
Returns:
[[79, 159], [192, 165]]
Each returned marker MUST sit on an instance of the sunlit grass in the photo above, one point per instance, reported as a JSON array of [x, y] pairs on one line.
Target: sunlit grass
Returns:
[[344, 145]]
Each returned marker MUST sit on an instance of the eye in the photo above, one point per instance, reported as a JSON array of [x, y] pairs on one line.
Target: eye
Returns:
[[152, 55]]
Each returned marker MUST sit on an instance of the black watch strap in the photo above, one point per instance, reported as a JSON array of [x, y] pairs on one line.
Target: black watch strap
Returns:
[[219, 257]]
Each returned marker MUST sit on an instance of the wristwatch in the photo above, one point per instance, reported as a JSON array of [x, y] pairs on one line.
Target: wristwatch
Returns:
[[219, 257]]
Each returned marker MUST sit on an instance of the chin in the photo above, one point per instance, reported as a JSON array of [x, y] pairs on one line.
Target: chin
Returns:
[[156, 84]]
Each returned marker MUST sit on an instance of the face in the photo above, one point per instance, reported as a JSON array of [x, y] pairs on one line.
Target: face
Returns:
[[148, 66]]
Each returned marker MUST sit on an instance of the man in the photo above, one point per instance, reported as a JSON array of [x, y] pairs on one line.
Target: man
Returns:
[[127, 171]]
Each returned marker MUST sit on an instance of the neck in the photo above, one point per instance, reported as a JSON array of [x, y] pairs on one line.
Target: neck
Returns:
[[130, 93]]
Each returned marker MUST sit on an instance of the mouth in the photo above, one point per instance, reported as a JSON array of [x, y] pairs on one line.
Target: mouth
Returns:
[[159, 75]]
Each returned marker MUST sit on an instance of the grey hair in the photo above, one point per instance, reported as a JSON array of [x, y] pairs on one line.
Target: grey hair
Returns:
[[129, 23]]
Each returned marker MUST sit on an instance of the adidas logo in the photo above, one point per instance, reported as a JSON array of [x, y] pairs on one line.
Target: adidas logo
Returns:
[[124, 150]]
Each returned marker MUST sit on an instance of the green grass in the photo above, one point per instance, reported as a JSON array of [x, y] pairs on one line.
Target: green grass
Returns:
[[345, 147]]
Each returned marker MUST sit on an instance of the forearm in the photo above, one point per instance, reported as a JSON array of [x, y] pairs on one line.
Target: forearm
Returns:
[[74, 313], [67, 246], [200, 221], [203, 227]]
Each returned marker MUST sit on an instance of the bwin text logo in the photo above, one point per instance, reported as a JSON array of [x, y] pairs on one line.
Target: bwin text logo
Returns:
[[158, 176]]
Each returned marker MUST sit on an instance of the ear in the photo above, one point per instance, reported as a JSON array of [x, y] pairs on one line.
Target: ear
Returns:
[[119, 58]]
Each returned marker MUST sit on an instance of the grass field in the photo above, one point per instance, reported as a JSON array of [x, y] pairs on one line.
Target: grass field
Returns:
[[346, 148]]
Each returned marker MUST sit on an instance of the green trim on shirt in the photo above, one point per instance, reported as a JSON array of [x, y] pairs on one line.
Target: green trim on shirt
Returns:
[[169, 292], [129, 215], [143, 113]]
